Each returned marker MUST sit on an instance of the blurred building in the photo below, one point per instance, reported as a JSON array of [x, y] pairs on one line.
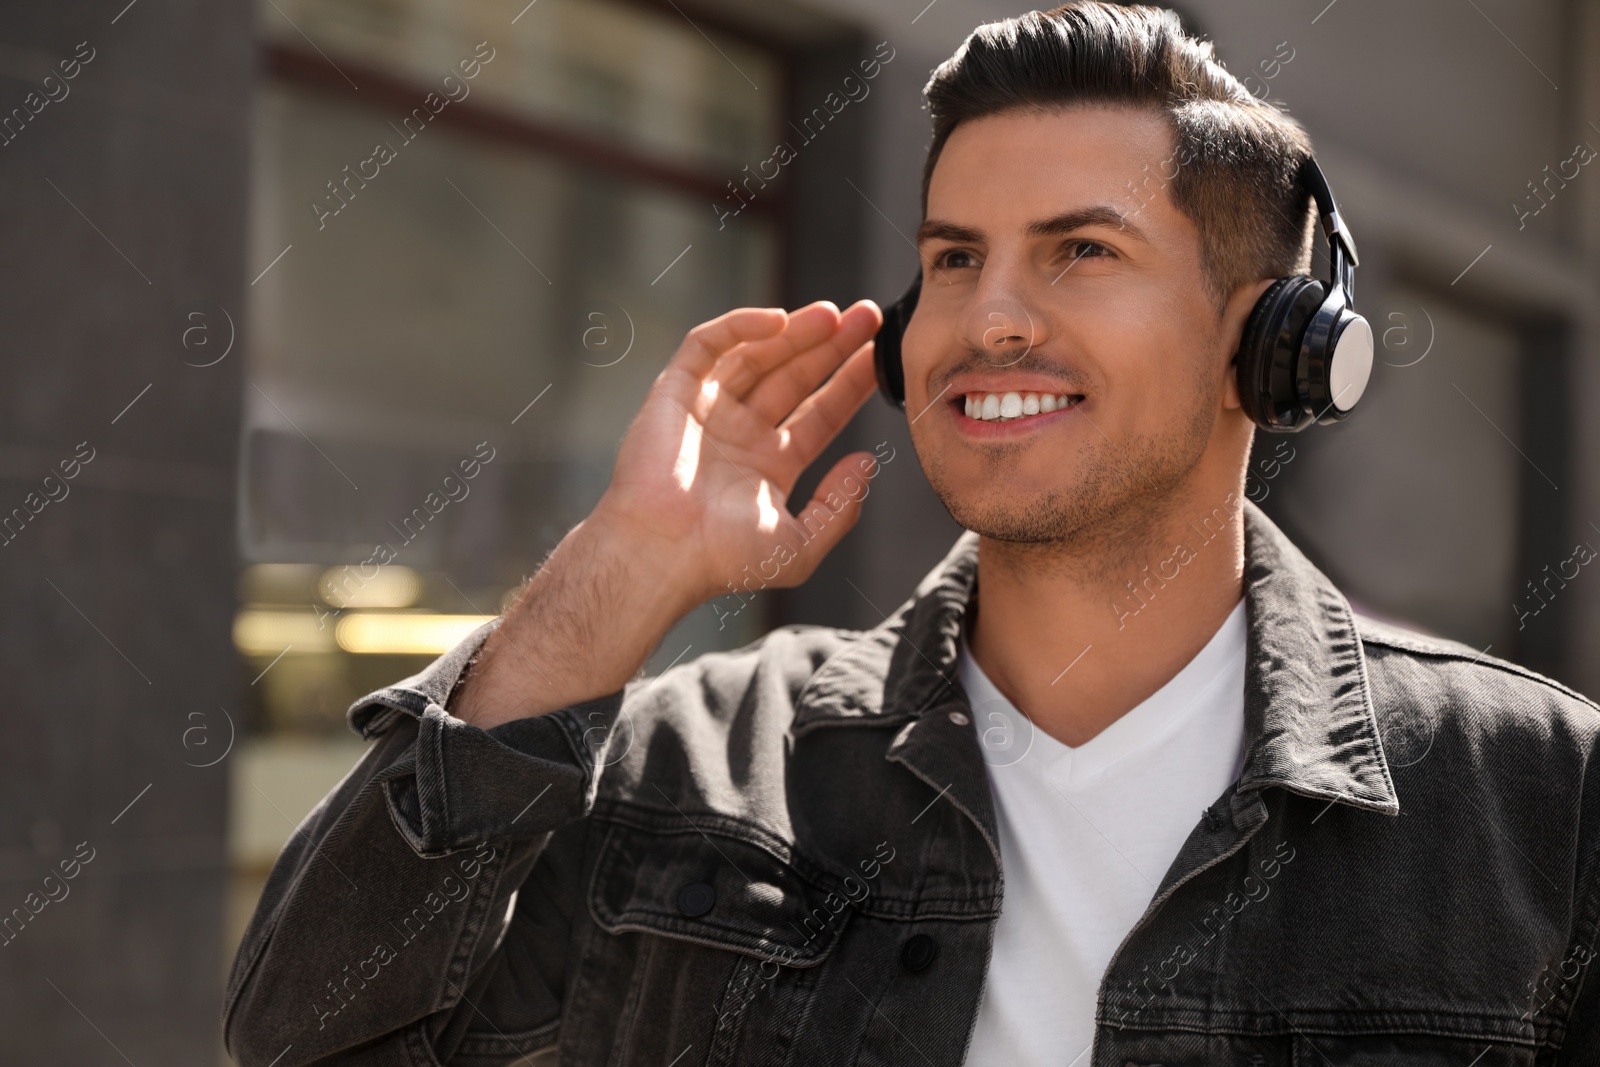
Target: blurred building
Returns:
[[351, 300]]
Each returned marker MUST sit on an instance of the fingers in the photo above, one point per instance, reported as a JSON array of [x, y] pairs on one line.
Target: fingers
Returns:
[[788, 383], [709, 341], [821, 416], [833, 510], [739, 369]]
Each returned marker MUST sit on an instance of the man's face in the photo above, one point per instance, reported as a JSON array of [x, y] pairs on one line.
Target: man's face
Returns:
[[1054, 264]]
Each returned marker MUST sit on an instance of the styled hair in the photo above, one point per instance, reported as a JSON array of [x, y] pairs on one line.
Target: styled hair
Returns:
[[1236, 159]]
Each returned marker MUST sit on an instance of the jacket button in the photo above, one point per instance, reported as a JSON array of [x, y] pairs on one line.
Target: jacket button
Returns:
[[696, 898], [918, 952]]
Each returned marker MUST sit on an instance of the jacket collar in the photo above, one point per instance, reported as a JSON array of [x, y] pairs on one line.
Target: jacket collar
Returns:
[[1309, 720]]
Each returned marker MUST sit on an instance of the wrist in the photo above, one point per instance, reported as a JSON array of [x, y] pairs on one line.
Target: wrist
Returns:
[[654, 566], [581, 628]]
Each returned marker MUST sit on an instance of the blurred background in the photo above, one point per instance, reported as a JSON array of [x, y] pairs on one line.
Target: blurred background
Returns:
[[323, 318]]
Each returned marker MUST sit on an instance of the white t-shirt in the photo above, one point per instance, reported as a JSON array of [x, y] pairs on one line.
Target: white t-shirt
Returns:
[[1086, 835]]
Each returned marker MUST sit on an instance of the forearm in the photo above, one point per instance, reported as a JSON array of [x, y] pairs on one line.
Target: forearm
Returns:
[[581, 627]]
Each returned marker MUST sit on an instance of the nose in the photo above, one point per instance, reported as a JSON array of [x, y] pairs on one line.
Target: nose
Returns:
[[1002, 321]]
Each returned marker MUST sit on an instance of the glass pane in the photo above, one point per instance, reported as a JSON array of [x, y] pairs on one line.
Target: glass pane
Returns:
[[470, 306], [651, 79]]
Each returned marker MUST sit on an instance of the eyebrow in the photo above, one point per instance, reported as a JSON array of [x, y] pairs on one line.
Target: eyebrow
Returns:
[[1066, 222]]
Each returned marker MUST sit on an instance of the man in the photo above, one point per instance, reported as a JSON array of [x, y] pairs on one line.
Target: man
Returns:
[[1125, 782]]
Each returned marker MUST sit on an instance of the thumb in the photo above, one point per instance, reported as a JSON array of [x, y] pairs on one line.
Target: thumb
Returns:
[[833, 509]]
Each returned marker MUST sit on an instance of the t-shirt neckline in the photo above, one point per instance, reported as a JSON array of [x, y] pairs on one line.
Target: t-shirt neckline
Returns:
[[1141, 727]]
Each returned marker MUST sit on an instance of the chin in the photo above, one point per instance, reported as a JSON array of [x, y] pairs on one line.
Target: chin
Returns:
[[1102, 499], [1046, 516]]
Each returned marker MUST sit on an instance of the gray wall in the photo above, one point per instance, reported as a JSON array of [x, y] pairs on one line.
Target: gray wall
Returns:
[[124, 216]]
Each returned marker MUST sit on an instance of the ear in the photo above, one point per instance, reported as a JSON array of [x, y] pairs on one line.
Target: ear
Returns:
[[1234, 316]]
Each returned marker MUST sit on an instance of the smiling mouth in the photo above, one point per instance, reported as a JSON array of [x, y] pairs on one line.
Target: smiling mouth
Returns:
[[1006, 407]]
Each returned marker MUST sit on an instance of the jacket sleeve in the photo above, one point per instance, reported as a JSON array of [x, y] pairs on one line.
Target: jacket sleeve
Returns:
[[1576, 981], [390, 900]]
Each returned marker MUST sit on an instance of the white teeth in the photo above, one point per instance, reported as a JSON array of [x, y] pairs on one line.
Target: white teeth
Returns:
[[1001, 407]]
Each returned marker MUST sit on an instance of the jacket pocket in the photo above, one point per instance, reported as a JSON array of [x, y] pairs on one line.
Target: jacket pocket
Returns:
[[710, 883], [706, 937]]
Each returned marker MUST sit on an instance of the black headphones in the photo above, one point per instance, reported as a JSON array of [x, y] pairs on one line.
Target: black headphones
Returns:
[[1304, 356]]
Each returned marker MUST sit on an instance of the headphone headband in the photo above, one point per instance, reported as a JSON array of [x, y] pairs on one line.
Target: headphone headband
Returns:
[[1341, 242]]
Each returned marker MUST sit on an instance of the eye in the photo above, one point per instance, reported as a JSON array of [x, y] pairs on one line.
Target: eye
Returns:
[[1081, 249], [953, 259]]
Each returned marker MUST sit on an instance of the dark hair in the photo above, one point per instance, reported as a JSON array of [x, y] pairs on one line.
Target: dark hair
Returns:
[[1236, 159]]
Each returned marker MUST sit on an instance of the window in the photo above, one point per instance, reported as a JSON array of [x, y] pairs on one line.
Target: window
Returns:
[[477, 233]]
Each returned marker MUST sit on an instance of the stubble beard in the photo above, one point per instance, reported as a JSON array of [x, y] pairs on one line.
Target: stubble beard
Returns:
[[1102, 516]]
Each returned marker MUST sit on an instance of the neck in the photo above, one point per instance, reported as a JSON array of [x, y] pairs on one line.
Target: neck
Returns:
[[1078, 634]]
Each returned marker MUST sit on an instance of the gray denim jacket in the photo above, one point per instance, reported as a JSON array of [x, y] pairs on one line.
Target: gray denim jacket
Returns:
[[787, 855]]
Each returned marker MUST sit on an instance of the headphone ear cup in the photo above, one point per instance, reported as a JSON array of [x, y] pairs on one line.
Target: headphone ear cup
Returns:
[[1338, 363], [886, 357], [1267, 363]]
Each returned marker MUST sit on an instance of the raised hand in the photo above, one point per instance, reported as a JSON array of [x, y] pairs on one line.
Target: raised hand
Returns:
[[700, 491], [730, 424]]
